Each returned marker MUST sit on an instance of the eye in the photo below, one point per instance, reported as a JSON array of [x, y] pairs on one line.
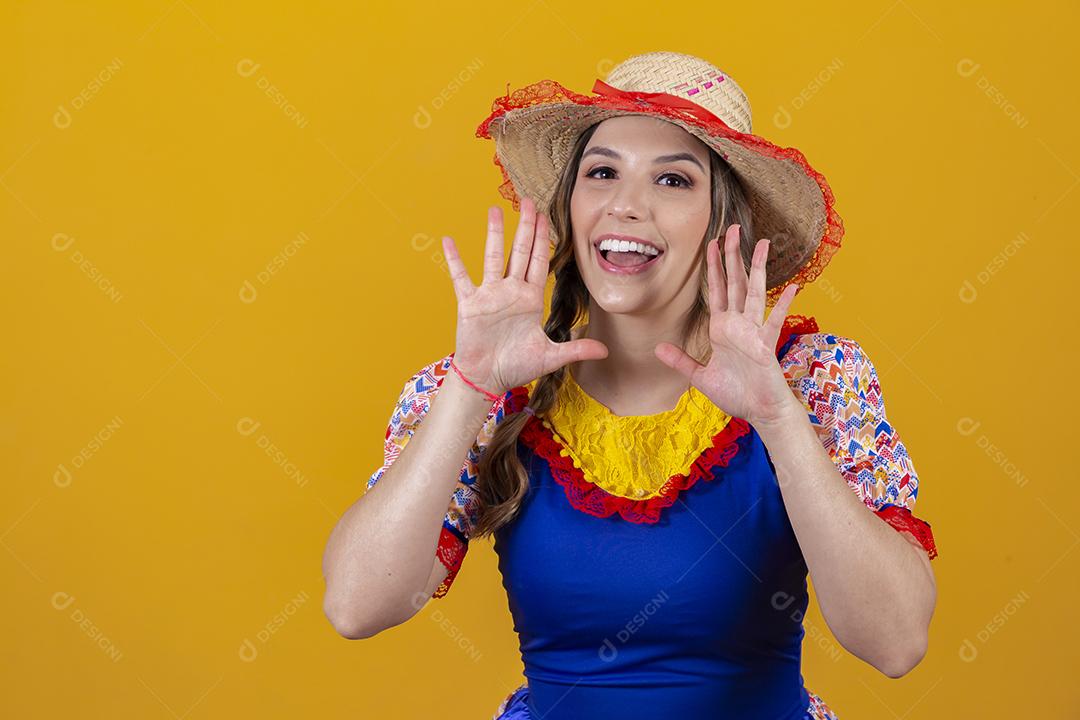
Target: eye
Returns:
[[682, 181]]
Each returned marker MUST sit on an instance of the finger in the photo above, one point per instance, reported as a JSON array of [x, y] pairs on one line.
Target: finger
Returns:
[[717, 287], [736, 273], [755, 295], [523, 240], [463, 286], [573, 351], [493, 248], [541, 251], [675, 357], [779, 311]]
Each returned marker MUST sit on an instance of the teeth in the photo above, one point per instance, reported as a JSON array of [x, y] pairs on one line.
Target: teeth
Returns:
[[627, 246]]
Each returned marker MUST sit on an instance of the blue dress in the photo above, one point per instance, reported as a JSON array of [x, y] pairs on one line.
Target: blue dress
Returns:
[[698, 615]]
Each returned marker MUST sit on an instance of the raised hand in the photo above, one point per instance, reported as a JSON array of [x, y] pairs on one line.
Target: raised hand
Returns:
[[501, 343], [743, 377]]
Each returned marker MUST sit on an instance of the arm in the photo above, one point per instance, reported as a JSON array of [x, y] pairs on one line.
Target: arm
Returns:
[[862, 569], [875, 588], [378, 557], [382, 552], [873, 581]]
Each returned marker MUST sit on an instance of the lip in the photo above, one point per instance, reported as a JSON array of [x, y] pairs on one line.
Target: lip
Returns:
[[618, 269]]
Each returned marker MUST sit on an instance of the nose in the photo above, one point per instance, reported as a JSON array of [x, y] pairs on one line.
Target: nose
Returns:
[[627, 202]]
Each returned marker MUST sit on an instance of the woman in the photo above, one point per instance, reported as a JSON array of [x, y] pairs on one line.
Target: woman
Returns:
[[655, 509]]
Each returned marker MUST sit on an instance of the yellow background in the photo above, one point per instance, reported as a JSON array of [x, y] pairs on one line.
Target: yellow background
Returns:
[[221, 231]]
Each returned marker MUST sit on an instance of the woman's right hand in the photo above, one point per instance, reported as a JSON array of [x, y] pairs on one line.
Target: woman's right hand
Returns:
[[500, 341]]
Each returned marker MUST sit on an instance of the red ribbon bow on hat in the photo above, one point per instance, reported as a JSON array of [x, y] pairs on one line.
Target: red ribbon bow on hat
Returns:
[[602, 88]]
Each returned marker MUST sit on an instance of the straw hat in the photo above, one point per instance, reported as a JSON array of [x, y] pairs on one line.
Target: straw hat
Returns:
[[535, 128]]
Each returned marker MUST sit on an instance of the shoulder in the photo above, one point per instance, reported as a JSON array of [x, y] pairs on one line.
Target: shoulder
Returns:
[[835, 380], [823, 355]]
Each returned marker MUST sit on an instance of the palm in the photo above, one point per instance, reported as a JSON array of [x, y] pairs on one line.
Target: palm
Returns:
[[742, 376], [500, 341], [503, 319]]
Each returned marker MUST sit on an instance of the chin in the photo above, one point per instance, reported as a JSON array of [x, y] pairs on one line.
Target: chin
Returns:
[[616, 301]]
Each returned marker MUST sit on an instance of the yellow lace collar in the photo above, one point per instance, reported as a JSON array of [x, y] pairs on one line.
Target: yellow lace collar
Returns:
[[631, 456]]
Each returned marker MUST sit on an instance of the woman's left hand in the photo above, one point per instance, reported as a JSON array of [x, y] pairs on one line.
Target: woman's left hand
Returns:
[[743, 377]]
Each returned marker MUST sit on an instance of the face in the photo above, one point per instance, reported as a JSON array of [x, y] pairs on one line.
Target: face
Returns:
[[645, 178]]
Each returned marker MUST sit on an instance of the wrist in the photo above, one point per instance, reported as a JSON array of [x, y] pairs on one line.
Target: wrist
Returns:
[[790, 413], [475, 381], [468, 393]]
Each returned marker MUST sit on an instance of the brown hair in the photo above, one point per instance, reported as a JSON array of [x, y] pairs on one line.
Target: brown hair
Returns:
[[503, 482]]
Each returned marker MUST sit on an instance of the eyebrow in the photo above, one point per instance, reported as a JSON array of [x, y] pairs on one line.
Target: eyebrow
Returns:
[[608, 152]]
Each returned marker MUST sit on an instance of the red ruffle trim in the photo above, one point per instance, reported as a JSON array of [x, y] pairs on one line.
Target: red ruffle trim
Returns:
[[795, 325], [902, 519], [594, 500], [550, 91], [450, 551]]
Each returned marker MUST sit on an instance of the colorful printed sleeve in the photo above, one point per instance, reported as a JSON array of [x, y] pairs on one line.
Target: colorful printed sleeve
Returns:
[[837, 383], [464, 506]]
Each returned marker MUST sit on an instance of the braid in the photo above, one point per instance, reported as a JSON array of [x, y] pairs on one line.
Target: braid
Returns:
[[507, 482]]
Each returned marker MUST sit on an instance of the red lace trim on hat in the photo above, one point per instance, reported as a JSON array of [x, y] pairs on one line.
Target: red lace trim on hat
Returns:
[[450, 551], [902, 520], [549, 91]]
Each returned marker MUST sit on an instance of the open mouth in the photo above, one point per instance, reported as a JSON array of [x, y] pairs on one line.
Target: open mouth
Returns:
[[630, 261]]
